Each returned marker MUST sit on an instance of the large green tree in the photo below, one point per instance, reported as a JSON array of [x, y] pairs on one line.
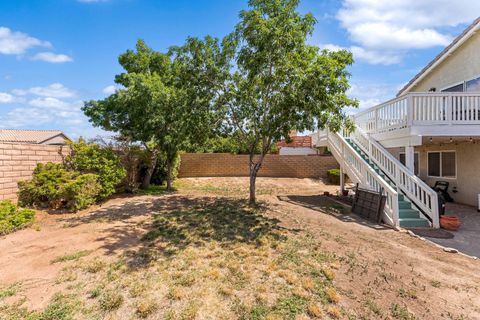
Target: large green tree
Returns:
[[280, 82], [165, 100]]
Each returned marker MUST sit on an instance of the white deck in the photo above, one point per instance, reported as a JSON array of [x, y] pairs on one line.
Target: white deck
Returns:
[[405, 119]]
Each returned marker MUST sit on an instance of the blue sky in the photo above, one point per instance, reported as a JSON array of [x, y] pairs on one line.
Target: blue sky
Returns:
[[54, 54]]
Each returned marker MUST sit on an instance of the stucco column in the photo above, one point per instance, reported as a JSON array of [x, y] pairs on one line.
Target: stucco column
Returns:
[[410, 158]]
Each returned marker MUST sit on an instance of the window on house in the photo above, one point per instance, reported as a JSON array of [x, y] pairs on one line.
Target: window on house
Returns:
[[456, 88], [442, 164], [415, 162], [473, 85]]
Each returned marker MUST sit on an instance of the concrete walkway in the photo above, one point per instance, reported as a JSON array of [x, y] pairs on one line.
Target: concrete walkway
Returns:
[[467, 238]]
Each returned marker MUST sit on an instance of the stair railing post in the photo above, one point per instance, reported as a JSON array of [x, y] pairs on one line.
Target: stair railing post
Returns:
[[435, 212], [410, 110], [395, 210]]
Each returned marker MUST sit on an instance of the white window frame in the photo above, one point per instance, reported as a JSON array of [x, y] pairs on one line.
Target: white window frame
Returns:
[[440, 177], [417, 153], [460, 82]]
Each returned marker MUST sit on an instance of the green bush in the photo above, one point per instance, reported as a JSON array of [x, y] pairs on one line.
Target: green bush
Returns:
[[81, 192], [102, 161], [334, 172], [13, 218], [44, 189], [54, 187]]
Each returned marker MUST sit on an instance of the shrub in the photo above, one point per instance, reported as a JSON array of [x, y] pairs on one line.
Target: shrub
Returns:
[[13, 218], [54, 187], [81, 192], [102, 161], [334, 172], [43, 189]]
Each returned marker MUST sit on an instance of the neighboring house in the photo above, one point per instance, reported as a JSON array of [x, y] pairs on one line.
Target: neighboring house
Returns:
[[299, 145], [50, 137], [430, 132]]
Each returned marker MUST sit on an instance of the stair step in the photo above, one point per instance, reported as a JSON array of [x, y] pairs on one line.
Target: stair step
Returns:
[[413, 222], [402, 204], [408, 214]]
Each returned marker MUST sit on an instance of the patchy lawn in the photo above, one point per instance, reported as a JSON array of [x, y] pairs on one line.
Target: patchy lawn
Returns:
[[201, 253]]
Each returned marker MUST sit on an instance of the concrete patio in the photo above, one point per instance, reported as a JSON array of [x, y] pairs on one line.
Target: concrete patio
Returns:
[[467, 238]]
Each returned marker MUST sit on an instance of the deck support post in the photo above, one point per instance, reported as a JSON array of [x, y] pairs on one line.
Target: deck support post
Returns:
[[410, 158], [342, 179]]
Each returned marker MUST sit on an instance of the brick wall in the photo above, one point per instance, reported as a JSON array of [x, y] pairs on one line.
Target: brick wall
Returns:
[[17, 162], [228, 165]]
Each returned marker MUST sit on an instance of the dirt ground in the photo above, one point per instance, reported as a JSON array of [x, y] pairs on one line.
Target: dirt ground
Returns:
[[381, 273]]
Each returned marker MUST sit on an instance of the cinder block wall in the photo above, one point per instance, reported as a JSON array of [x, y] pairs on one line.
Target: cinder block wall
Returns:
[[228, 165], [17, 162]]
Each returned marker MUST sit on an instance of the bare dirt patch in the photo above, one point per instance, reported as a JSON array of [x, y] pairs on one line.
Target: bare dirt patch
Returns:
[[202, 254]]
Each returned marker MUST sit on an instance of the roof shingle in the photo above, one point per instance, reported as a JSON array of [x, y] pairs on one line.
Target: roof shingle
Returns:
[[29, 136]]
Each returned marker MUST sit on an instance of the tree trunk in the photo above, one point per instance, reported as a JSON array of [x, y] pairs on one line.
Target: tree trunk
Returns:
[[169, 175], [253, 179], [254, 167], [151, 168]]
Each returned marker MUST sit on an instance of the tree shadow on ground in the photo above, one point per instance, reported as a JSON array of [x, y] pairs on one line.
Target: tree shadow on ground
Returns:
[[326, 205], [147, 228]]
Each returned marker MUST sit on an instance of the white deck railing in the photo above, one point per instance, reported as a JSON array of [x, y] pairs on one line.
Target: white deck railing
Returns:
[[362, 173], [422, 109], [414, 188]]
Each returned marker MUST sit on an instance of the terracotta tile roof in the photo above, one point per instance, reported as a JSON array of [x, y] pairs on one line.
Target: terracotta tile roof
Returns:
[[297, 142], [29, 136], [440, 55]]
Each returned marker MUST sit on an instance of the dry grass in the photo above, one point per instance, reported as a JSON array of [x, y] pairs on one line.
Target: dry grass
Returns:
[[213, 258]]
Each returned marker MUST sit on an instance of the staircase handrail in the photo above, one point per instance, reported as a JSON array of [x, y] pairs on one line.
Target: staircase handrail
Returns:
[[421, 194], [365, 174]]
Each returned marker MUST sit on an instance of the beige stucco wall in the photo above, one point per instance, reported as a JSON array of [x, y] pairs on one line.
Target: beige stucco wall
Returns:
[[463, 64], [467, 181]]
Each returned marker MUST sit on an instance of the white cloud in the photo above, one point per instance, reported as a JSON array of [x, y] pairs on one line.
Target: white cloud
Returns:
[[383, 31], [52, 57], [109, 90], [49, 111], [24, 118], [370, 94], [55, 90], [48, 102], [6, 97], [369, 56], [18, 43]]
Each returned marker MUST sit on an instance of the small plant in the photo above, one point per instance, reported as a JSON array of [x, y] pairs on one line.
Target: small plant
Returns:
[[62, 307], [71, 257], [95, 266], [315, 310], [110, 300], [146, 307], [13, 218], [332, 295], [175, 293], [409, 293], [334, 312], [9, 291], [401, 312]]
